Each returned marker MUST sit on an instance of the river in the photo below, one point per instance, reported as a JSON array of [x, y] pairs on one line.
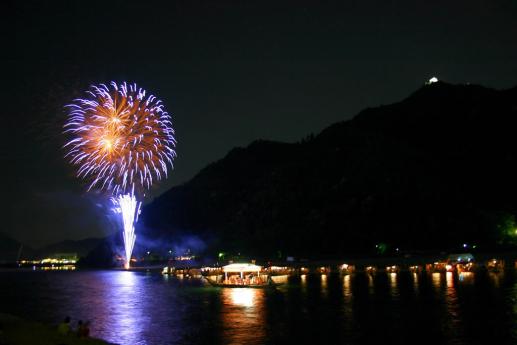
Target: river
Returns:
[[135, 308]]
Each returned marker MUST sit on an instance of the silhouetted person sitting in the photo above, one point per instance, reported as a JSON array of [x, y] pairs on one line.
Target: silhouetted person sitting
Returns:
[[64, 327], [83, 329], [86, 329]]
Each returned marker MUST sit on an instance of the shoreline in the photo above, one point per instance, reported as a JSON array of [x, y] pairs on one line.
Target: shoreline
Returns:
[[17, 331]]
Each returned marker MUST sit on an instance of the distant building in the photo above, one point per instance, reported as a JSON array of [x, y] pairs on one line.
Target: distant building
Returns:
[[61, 258], [65, 256]]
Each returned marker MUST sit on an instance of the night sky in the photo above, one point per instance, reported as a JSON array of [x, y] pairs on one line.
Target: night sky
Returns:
[[229, 72]]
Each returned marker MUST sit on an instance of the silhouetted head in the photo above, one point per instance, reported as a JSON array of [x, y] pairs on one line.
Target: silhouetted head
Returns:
[[67, 319], [80, 322]]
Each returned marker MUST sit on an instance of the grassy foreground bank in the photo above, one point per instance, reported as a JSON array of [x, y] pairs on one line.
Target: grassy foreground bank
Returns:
[[16, 331]]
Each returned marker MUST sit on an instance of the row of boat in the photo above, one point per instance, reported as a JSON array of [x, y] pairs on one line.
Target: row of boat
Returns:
[[251, 275]]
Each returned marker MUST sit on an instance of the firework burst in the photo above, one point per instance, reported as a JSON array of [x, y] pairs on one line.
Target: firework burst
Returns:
[[121, 142], [122, 139]]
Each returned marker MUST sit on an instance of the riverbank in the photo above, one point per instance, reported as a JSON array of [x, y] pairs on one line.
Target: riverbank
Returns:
[[16, 331]]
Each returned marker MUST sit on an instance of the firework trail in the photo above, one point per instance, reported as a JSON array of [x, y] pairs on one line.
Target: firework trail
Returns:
[[122, 141]]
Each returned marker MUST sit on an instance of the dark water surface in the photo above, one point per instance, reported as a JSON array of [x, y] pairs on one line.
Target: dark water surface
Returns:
[[137, 308]]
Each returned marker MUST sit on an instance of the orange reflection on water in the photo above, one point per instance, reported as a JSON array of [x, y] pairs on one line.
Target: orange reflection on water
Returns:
[[348, 305], [437, 280], [324, 285], [450, 280], [243, 315], [393, 285], [415, 282], [495, 278], [370, 284], [303, 283], [393, 280], [346, 287], [466, 277], [455, 328]]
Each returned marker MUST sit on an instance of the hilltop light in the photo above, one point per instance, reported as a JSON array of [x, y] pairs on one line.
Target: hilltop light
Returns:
[[432, 80]]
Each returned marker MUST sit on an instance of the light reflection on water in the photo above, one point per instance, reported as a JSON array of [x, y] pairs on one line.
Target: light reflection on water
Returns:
[[453, 323], [347, 287], [243, 316], [139, 309], [370, 284], [127, 311], [348, 306], [437, 280], [242, 297], [393, 285], [416, 279], [303, 278], [496, 278], [303, 283], [324, 285], [466, 277]]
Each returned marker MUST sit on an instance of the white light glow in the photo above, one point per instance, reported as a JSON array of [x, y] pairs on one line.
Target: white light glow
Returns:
[[243, 297], [129, 208], [241, 268]]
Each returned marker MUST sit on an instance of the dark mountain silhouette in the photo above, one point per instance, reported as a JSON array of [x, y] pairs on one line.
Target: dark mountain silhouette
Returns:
[[10, 249], [80, 247], [433, 171]]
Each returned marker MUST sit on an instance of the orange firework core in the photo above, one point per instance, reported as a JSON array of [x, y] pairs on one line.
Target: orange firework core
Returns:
[[124, 139]]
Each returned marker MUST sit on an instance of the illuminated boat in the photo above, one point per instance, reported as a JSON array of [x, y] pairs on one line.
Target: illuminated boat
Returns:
[[494, 265], [463, 262], [346, 269], [244, 275]]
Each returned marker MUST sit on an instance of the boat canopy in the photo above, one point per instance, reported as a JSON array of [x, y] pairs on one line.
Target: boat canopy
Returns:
[[238, 268]]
